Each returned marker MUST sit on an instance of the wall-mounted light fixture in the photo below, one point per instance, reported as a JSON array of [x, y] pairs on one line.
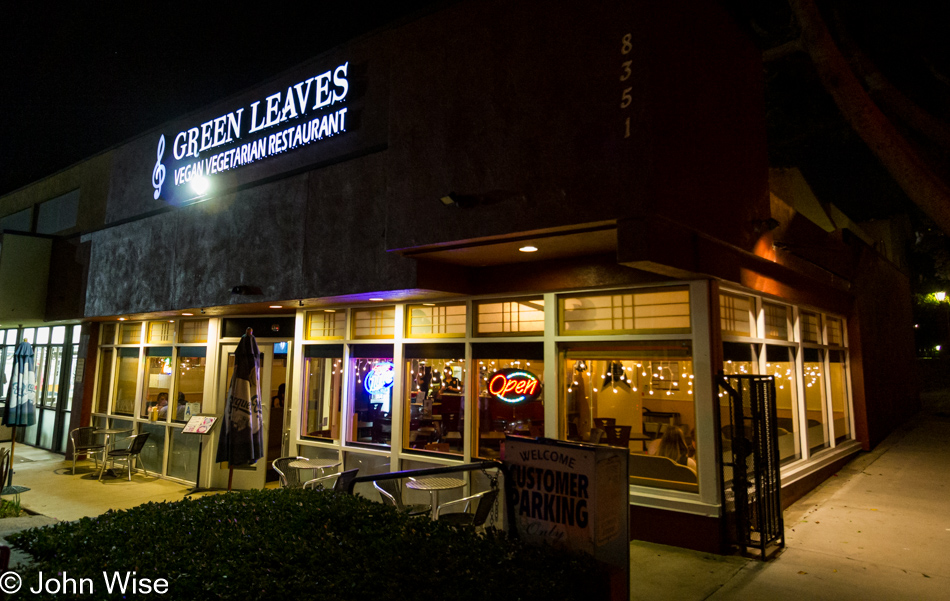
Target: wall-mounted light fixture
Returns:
[[467, 201], [200, 185], [247, 290], [760, 226]]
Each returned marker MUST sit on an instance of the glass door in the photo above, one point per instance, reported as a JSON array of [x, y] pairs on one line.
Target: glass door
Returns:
[[245, 477], [275, 368], [275, 396]]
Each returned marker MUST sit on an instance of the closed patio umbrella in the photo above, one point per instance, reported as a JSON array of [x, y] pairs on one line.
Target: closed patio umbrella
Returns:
[[242, 434], [21, 401]]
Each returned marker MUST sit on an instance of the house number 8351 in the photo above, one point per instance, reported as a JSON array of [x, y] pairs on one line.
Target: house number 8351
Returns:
[[626, 99]]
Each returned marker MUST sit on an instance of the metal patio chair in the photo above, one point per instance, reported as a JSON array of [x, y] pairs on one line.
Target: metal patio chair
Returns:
[[391, 493], [289, 476], [84, 439], [486, 500], [341, 481], [130, 454]]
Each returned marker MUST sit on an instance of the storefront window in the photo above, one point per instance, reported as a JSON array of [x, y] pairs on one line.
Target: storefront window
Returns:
[[130, 333], [8, 338], [500, 411], [326, 324], [810, 326], [128, 364], [816, 409], [193, 330], [153, 452], [323, 368], [161, 332], [835, 334], [435, 400], [105, 380], [737, 314], [739, 359], [50, 389], [635, 312], [374, 323], [158, 381], [71, 383], [780, 363], [190, 384], [183, 455], [639, 398], [372, 389], [776, 321], [39, 357], [510, 317], [432, 320], [837, 378], [368, 465]]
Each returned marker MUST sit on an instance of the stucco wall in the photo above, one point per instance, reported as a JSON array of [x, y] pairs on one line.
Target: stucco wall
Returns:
[[270, 237]]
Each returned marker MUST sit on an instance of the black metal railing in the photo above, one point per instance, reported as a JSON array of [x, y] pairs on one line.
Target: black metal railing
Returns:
[[429, 471], [752, 496], [437, 471]]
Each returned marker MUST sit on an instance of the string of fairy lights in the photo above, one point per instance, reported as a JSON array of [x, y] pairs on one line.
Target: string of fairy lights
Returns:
[[659, 372], [438, 367], [812, 373]]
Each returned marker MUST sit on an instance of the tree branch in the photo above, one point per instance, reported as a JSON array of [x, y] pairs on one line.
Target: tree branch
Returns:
[[924, 187]]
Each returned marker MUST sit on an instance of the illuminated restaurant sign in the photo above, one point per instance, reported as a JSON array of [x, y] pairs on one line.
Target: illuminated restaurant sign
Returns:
[[379, 378], [305, 113], [512, 385]]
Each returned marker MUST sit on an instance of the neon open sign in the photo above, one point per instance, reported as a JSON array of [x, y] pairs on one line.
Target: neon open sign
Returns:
[[512, 385], [380, 378]]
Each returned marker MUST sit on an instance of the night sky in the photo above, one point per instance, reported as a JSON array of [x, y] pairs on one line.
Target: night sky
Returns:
[[81, 77]]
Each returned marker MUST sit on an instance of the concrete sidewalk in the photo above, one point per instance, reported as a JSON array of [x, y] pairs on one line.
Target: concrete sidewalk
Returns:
[[879, 529], [55, 492]]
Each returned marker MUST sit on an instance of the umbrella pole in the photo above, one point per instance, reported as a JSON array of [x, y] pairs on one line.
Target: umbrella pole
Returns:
[[12, 446], [230, 475]]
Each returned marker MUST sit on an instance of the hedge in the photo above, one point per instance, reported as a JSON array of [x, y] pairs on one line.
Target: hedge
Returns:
[[301, 544]]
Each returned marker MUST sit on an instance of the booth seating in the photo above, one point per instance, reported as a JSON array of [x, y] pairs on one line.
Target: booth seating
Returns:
[[662, 472]]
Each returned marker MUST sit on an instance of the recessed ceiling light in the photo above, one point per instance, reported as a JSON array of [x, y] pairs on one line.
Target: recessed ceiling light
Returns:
[[528, 249], [171, 321], [121, 319], [276, 307], [187, 313], [428, 304], [376, 299], [329, 310]]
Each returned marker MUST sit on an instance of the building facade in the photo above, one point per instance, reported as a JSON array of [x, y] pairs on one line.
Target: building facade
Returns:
[[371, 215]]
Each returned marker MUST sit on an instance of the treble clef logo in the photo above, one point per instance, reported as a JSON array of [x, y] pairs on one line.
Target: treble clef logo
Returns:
[[158, 173]]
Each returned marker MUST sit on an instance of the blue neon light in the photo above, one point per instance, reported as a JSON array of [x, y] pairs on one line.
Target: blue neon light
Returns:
[[380, 378]]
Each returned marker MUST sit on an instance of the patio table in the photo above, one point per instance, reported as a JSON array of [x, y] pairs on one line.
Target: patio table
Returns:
[[433, 485]]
